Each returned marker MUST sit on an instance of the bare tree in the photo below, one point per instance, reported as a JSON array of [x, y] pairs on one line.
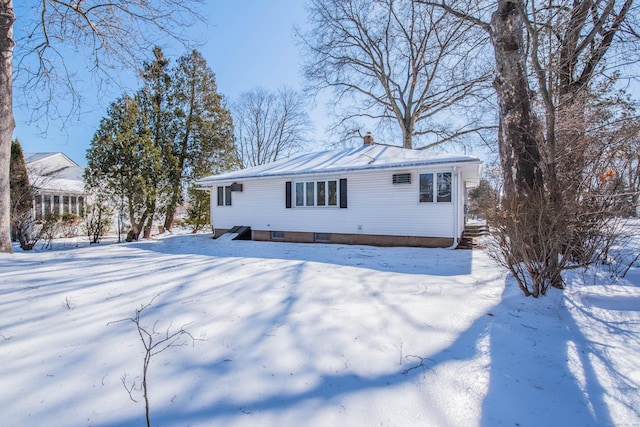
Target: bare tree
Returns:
[[397, 62], [7, 123], [269, 126], [109, 33], [548, 57]]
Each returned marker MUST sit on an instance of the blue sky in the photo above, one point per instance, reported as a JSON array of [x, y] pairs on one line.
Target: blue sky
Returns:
[[247, 43]]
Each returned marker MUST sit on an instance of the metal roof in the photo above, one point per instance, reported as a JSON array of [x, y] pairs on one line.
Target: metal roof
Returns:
[[362, 158]]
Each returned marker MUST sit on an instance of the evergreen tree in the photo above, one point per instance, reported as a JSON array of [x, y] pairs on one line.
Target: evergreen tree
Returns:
[[202, 130], [124, 160], [154, 100], [151, 146], [21, 198]]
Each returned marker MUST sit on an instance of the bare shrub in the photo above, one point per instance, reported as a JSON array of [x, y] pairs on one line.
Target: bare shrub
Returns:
[[70, 224], [98, 220], [154, 342], [539, 238], [48, 229]]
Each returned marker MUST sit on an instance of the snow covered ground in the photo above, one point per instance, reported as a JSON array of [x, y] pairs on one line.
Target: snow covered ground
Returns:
[[310, 335]]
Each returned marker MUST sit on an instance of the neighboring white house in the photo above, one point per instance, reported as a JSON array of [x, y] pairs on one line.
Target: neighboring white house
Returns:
[[58, 184], [373, 194]]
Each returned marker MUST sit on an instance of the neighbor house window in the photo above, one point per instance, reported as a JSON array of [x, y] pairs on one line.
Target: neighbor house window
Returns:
[[38, 207], [317, 193], [441, 192], [224, 196], [47, 204]]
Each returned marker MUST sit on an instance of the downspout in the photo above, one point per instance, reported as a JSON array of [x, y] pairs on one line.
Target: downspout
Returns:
[[454, 198], [211, 219]]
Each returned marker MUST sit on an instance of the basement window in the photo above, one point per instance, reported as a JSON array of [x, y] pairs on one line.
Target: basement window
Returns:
[[322, 237], [277, 235], [402, 178]]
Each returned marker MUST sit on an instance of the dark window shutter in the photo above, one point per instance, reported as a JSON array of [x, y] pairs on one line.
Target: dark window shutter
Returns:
[[287, 186], [220, 196], [343, 193]]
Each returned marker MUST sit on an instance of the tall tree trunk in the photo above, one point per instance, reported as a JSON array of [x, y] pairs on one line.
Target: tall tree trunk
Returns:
[[134, 233], [407, 138], [176, 184], [518, 134], [7, 123]]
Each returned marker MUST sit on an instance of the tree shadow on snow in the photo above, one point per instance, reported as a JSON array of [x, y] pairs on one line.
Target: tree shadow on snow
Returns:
[[399, 259], [534, 345]]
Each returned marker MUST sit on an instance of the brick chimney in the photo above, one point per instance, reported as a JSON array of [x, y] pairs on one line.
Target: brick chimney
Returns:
[[368, 139]]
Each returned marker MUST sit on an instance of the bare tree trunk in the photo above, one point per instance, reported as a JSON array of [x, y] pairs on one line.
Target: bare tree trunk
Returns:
[[7, 123], [518, 135], [407, 135], [134, 233]]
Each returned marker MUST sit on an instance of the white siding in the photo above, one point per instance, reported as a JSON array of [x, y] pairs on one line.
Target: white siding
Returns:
[[375, 206]]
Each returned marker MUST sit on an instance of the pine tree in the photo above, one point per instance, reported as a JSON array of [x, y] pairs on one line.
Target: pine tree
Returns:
[[21, 196], [124, 160], [203, 140], [153, 100]]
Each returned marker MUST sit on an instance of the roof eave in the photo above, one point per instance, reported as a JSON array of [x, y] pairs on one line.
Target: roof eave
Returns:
[[443, 162]]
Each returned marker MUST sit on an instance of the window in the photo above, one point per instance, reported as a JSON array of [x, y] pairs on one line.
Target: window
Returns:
[[310, 193], [402, 178], [38, 207], [444, 186], [299, 193], [316, 193], [224, 196], [322, 193], [426, 187], [333, 193], [322, 237], [441, 193], [47, 204], [277, 235]]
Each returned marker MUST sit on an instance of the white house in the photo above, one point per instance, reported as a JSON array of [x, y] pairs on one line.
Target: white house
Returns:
[[58, 183], [372, 194]]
